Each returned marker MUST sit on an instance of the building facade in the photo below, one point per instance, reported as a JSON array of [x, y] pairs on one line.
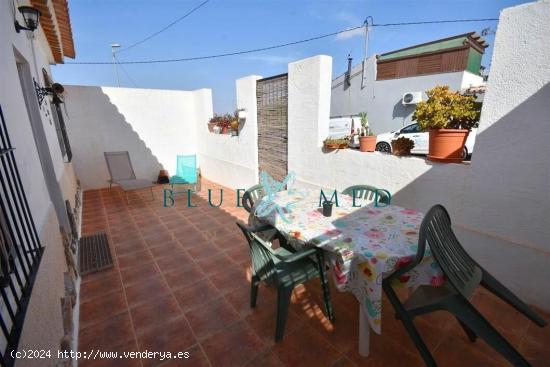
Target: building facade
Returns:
[[38, 189], [377, 85]]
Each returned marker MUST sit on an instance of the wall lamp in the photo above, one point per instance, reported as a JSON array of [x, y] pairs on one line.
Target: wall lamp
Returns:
[[31, 17]]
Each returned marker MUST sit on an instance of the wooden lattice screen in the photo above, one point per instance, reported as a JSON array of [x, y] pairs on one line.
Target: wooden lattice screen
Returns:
[[272, 100]]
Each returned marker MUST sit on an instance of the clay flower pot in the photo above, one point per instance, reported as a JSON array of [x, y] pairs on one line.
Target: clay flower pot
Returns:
[[367, 143], [446, 145]]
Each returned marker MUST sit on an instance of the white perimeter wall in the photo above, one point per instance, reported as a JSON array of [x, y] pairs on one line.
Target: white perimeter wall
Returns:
[[233, 160], [500, 203], [154, 126]]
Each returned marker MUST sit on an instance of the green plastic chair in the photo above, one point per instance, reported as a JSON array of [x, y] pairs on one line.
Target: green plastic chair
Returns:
[[186, 171], [380, 197], [251, 196], [284, 270], [463, 276]]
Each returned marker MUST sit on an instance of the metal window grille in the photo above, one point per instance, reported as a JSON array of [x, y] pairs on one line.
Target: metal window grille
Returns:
[[20, 250]]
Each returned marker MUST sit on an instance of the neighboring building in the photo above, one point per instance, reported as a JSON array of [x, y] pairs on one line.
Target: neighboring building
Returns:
[[377, 85], [38, 188]]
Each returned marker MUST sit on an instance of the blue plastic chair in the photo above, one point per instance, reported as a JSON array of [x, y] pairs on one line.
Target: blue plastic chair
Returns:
[[186, 172]]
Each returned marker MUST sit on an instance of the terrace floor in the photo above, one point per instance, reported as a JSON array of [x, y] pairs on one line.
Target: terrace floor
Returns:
[[181, 283]]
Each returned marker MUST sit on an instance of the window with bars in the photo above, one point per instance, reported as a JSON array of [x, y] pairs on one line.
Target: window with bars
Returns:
[[20, 250]]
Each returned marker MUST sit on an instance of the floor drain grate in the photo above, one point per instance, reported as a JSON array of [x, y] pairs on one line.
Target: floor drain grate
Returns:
[[94, 254]]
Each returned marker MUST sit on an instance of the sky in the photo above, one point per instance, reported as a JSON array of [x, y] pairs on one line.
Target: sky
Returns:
[[222, 26]]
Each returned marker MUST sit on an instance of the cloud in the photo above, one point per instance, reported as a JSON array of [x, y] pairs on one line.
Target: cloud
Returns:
[[272, 59], [351, 34], [351, 20]]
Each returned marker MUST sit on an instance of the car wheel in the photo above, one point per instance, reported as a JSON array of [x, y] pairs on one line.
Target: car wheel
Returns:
[[464, 153], [383, 147]]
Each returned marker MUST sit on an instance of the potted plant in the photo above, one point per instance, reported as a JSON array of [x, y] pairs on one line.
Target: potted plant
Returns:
[[448, 116], [367, 140], [213, 122], [330, 143], [402, 146]]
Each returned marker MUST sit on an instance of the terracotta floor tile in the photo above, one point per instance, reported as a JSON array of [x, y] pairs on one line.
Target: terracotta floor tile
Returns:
[[175, 336], [178, 261], [536, 353], [196, 359], [183, 277], [124, 237], [509, 322], [134, 259], [266, 359], [211, 317], [154, 313], [385, 352], [343, 333], [264, 320], [196, 295], [457, 352], [203, 251], [239, 254], [156, 239], [127, 347], [291, 349], [230, 279], [166, 249], [239, 298], [126, 248], [213, 264], [138, 274], [195, 260], [147, 290], [102, 308], [100, 286], [233, 346], [107, 333], [344, 362]]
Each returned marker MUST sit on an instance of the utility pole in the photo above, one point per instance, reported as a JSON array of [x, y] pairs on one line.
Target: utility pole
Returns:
[[367, 26], [114, 47]]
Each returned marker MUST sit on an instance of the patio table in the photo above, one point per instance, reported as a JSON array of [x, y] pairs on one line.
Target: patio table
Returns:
[[363, 244]]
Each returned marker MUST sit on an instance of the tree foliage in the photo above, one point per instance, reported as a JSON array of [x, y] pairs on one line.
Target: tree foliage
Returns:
[[445, 109]]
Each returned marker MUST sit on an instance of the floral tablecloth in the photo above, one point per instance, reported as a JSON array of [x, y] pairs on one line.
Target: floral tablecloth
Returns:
[[363, 244]]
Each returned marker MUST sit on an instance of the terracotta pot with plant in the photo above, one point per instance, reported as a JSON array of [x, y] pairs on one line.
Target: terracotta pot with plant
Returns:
[[402, 146], [449, 117], [367, 140]]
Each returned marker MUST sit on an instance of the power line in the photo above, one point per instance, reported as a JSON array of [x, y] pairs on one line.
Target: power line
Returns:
[[435, 22], [166, 27], [214, 56], [126, 73]]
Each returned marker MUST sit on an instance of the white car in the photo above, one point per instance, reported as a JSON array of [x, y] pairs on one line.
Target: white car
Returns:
[[420, 138]]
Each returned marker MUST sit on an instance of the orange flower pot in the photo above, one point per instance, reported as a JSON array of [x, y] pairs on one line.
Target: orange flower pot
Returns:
[[367, 143], [446, 145]]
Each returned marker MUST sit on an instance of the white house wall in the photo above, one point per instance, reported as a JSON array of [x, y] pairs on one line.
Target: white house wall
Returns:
[[41, 330], [381, 99], [233, 160], [154, 126]]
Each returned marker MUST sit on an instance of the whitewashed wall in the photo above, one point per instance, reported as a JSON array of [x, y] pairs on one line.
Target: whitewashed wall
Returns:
[[233, 160], [39, 332], [500, 203], [154, 126]]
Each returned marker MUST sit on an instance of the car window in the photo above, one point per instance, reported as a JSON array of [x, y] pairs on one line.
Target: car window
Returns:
[[410, 129]]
